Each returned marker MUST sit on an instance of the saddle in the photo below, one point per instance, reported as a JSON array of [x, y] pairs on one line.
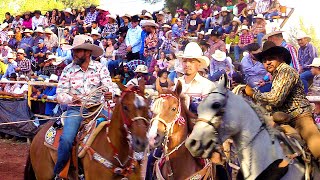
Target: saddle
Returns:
[[86, 135]]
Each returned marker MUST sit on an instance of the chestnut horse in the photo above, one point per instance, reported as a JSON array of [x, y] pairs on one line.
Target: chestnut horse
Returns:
[[170, 126], [115, 151]]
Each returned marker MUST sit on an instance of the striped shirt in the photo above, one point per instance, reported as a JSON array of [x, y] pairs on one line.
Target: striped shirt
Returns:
[[306, 55], [25, 66], [294, 55]]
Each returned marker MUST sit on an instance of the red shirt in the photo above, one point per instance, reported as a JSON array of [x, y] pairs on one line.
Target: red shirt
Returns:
[[206, 13], [241, 7]]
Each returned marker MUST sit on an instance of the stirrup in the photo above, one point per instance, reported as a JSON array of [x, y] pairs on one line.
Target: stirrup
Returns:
[[57, 177]]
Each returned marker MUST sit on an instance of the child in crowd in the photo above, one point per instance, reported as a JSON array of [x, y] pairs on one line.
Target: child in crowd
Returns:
[[167, 44], [162, 62], [156, 71]]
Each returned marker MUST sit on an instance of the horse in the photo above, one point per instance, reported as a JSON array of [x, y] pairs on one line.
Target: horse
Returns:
[[112, 150], [223, 115]]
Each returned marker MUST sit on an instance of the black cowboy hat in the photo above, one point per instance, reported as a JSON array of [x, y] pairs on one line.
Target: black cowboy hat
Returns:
[[135, 18], [215, 33], [271, 49]]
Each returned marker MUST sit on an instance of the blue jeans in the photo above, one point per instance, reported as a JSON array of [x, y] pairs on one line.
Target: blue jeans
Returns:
[[269, 16], [259, 38], [236, 51], [151, 160], [172, 75], [70, 130], [305, 77], [208, 26], [148, 61]]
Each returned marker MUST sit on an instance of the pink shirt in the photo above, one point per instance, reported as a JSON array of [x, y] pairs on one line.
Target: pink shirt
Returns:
[[27, 23]]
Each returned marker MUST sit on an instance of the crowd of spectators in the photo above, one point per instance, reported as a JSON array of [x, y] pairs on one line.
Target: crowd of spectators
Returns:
[[148, 44]]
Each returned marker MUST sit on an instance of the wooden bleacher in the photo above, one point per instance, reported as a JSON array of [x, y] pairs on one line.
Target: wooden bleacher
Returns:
[[285, 14]]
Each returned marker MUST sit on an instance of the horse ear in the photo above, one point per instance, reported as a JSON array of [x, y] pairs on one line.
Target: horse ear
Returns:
[[120, 85], [178, 88], [222, 83]]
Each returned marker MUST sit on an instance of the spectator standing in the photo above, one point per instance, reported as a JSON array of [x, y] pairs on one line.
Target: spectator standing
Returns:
[[306, 53], [126, 21], [121, 48], [37, 19], [91, 16], [151, 42], [27, 21], [133, 39]]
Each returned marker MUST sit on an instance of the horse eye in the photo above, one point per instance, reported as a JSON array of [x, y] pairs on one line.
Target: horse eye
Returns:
[[216, 105], [126, 108], [174, 109]]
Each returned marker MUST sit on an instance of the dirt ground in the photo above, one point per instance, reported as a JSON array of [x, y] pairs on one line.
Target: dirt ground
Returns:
[[13, 156]]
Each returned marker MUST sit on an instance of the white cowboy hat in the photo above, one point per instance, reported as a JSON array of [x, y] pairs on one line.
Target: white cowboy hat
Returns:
[[244, 27], [209, 32], [141, 69], [63, 41], [48, 31], [193, 51], [315, 63], [219, 55], [3, 25], [20, 51], [201, 32], [68, 10], [302, 34], [52, 56], [127, 16], [39, 29], [236, 19], [161, 13], [114, 17], [147, 15], [23, 77], [95, 32], [166, 26], [27, 31], [10, 33], [215, 13], [58, 61], [167, 33], [102, 7], [224, 8], [10, 56], [150, 23], [84, 42], [53, 77], [265, 37], [259, 16]]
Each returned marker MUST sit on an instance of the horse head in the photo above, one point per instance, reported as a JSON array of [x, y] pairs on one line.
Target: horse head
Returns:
[[134, 113], [204, 139], [167, 109]]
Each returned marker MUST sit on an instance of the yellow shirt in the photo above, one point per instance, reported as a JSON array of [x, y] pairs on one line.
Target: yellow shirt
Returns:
[[3, 67]]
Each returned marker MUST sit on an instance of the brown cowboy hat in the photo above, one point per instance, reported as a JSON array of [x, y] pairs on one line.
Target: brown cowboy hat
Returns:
[[269, 48]]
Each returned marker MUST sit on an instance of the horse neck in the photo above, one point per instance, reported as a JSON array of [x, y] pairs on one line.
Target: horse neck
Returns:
[[118, 134], [255, 156]]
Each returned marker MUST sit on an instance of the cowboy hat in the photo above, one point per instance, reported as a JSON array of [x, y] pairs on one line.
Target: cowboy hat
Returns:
[[68, 10], [39, 29], [84, 42], [147, 15], [166, 26], [160, 13], [53, 77], [10, 33], [114, 17], [236, 19], [141, 69], [209, 32], [20, 51], [63, 41], [301, 35], [219, 55], [315, 63], [135, 18], [265, 37], [269, 48], [95, 32], [127, 16], [215, 13], [58, 61], [3, 25], [27, 31], [48, 31], [259, 16], [167, 33], [201, 32], [193, 51], [23, 77], [244, 27], [102, 7], [10, 56], [51, 56], [224, 9], [150, 23]]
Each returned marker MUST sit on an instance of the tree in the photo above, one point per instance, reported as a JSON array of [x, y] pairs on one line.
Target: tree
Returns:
[[79, 3]]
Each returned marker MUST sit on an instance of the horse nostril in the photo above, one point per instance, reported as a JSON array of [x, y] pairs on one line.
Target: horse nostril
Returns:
[[193, 142]]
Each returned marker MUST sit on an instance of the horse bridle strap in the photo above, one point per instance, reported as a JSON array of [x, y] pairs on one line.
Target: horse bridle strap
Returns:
[[206, 121]]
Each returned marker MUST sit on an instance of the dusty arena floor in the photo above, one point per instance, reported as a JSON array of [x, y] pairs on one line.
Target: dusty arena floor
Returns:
[[13, 156]]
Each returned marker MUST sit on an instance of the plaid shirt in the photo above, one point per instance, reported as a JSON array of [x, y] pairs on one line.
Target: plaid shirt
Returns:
[[287, 93], [90, 17], [110, 29], [166, 45], [246, 39], [259, 28], [25, 66], [48, 70], [150, 44], [76, 82]]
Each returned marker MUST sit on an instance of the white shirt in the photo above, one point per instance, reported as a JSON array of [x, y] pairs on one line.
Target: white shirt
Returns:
[[36, 22], [198, 87]]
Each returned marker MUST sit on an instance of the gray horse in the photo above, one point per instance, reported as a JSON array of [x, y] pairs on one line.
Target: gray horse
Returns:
[[223, 115]]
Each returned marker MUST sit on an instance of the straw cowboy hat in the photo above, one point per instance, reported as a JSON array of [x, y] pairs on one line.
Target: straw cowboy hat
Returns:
[[193, 51], [48, 31], [102, 7], [301, 35], [27, 31], [23, 77], [112, 16], [84, 42], [39, 30], [315, 63], [3, 25], [147, 15], [10, 33], [215, 13], [141, 69], [20, 51], [161, 13], [51, 56], [201, 32], [150, 23], [10, 56], [259, 16], [236, 19], [224, 9], [219, 55], [95, 32], [270, 48], [244, 27], [63, 41], [127, 16], [58, 61], [68, 10], [166, 26], [265, 37], [167, 33], [53, 77]]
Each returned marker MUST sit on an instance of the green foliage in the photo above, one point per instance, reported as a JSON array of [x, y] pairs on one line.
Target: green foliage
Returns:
[[79, 3], [188, 4]]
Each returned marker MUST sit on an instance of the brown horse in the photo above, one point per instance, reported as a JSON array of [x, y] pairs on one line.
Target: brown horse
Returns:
[[111, 154], [170, 127]]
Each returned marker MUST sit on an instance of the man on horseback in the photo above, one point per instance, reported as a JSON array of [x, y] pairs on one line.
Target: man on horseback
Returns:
[[287, 94], [76, 82]]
